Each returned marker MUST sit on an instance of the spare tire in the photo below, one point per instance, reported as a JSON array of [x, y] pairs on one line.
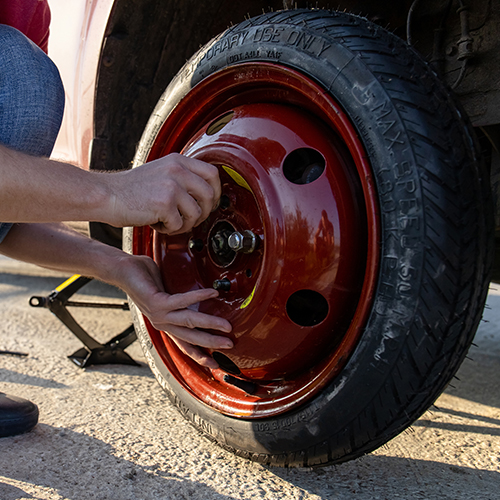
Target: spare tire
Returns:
[[358, 177]]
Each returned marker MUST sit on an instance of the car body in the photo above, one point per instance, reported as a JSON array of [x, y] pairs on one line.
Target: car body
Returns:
[[76, 39]]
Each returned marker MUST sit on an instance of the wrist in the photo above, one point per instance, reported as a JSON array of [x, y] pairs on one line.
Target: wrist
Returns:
[[122, 270], [108, 265], [101, 202]]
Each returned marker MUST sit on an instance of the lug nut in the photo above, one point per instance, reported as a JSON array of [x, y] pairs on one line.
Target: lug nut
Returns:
[[244, 241], [223, 285]]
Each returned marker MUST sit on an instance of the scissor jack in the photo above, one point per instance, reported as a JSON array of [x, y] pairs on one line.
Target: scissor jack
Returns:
[[94, 353]]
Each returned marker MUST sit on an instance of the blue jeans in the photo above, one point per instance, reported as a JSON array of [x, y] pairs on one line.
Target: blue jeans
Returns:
[[31, 98]]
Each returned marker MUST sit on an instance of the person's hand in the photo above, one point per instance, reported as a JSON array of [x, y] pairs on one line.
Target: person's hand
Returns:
[[140, 279], [172, 194]]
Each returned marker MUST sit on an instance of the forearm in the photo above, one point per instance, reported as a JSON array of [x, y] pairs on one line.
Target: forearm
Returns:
[[42, 190], [36, 189], [172, 193], [58, 247]]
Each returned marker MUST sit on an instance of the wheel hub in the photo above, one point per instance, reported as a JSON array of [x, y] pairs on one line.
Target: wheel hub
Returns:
[[222, 254]]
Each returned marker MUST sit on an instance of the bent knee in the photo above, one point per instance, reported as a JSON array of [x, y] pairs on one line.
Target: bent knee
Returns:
[[31, 95]]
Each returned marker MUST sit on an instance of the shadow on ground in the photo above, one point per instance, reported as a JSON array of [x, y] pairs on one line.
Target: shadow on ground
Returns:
[[80, 467]]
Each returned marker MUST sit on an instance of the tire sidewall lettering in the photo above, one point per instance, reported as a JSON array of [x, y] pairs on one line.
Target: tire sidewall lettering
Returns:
[[288, 36]]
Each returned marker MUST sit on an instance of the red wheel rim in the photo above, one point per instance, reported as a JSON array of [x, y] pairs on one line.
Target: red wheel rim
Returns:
[[296, 177]]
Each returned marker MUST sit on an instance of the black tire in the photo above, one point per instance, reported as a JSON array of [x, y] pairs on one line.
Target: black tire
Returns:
[[436, 248]]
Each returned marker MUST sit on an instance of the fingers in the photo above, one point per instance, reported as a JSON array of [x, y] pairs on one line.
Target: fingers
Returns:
[[189, 319], [187, 299], [207, 172], [190, 193], [199, 338], [188, 338], [188, 341], [196, 354], [187, 324], [195, 199], [200, 182], [187, 215]]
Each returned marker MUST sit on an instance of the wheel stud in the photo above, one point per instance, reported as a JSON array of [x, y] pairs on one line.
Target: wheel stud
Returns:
[[223, 285], [244, 241], [220, 243]]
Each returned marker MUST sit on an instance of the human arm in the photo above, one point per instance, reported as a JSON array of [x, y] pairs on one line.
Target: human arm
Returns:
[[172, 194], [57, 247]]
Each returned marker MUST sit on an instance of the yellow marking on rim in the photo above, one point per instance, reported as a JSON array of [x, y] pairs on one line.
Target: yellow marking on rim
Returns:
[[248, 299], [237, 178], [68, 282]]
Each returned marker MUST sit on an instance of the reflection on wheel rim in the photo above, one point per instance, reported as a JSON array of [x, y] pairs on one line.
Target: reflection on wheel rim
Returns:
[[292, 248]]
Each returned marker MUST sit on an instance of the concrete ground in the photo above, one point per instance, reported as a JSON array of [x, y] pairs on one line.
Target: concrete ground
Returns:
[[109, 432]]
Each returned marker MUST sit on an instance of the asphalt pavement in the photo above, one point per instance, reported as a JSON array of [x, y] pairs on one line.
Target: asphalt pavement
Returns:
[[109, 432]]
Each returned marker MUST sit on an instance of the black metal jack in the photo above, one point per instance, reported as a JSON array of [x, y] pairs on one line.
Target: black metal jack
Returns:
[[94, 353]]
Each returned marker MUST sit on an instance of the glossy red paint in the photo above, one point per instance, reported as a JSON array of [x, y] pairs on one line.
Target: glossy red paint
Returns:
[[298, 302]]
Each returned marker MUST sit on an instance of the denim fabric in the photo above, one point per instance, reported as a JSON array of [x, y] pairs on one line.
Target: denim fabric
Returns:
[[31, 98]]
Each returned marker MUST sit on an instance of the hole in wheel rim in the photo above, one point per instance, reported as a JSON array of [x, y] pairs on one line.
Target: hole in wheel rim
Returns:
[[225, 363], [220, 123], [307, 308], [225, 202], [303, 166]]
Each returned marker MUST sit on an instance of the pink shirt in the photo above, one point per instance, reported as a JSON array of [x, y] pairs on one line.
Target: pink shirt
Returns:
[[31, 17]]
